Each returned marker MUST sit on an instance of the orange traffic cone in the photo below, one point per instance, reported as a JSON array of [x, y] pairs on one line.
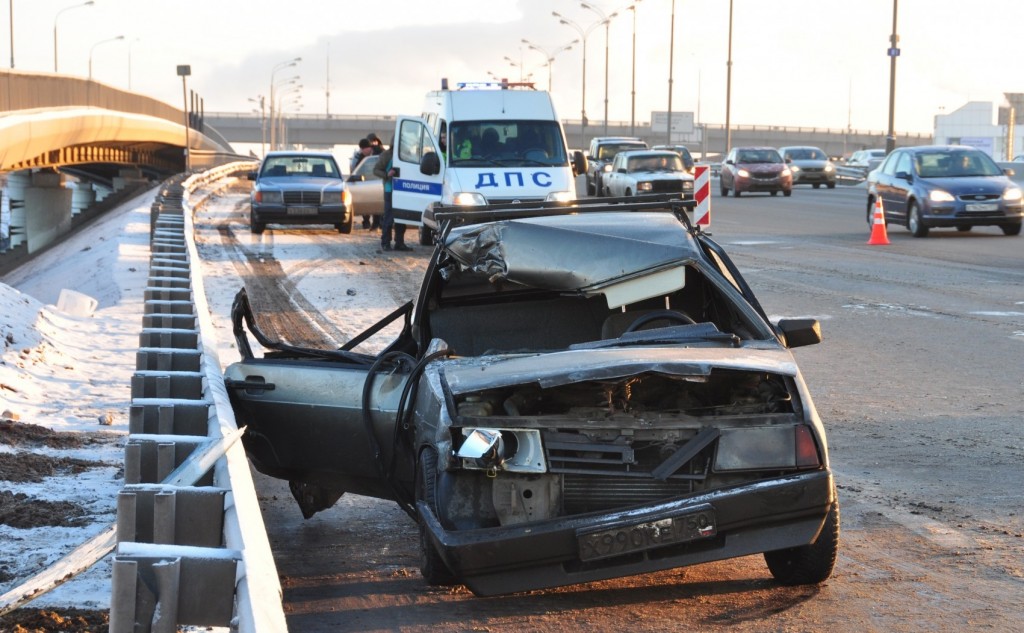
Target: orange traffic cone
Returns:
[[878, 235]]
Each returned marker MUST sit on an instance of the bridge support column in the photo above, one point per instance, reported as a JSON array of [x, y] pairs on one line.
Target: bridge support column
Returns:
[[127, 176], [47, 209], [12, 223], [82, 197]]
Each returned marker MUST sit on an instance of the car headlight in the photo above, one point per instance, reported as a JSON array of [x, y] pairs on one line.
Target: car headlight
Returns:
[[767, 447], [938, 195], [606, 167], [268, 197], [333, 197], [794, 169], [1013, 194], [644, 186], [829, 167], [468, 199], [687, 185], [561, 196], [512, 450], [787, 172], [743, 173]]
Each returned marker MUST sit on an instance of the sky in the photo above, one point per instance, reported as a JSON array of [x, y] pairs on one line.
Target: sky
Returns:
[[806, 63]]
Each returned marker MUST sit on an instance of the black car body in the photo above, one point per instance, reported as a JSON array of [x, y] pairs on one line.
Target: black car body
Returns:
[[299, 187], [600, 156], [549, 417], [944, 186]]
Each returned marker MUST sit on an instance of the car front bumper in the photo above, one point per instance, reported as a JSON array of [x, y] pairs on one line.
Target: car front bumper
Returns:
[[956, 214], [750, 519], [300, 214], [764, 184]]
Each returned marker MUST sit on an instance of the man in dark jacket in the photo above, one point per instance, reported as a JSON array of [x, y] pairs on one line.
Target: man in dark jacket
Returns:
[[387, 173]]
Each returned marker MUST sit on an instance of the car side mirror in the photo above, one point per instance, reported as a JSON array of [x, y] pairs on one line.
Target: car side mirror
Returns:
[[1009, 172], [430, 164], [579, 162], [621, 170], [357, 178], [905, 176], [729, 162], [788, 159], [800, 332], [251, 175]]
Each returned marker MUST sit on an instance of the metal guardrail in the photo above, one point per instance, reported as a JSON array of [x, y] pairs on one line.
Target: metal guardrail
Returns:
[[186, 555]]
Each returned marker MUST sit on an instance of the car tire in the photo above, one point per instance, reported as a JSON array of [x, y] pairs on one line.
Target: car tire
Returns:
[[964, 228], [1011, 229], [817, 185], [775, 192], [426, 236], [590, 189], [831, 185], [787, 192], [257, 227], [432, 566], [629, 193], [808, 564], [724, 189], [736, 192], [916, 227], [345, 228]]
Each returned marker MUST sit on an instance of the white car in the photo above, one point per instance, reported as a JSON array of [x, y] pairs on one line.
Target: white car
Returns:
[[647, 171], [367, 188]]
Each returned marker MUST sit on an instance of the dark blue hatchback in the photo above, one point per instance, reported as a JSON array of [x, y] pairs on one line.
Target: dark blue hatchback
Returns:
[[945, 186]]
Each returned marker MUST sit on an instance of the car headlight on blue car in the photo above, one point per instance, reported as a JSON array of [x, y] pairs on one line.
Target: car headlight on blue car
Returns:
[[1013, 194], [938, 195]]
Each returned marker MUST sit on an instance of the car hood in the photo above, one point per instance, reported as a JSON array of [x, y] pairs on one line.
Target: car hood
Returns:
[[301, 184], [761, 168], [566, 367], [661, 175], [971, 185], [520, 251], [807, 162]]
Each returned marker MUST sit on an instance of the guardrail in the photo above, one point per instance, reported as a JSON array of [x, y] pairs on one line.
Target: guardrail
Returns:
[[194, 553]]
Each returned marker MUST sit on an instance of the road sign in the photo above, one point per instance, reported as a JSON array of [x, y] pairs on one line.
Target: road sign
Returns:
[[682, 122]]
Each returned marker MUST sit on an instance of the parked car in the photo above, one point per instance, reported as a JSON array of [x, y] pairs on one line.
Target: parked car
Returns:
[[366, 187], [549, 417], [809, 166], [299, 187], [867, 160], [647, 171], [599, 159], [749, 169], [945, 186], [684, 154]]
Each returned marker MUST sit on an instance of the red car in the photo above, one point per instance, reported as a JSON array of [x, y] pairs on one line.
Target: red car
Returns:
[[755, 169]]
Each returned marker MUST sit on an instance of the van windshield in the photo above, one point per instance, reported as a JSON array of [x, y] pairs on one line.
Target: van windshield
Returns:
[[482, 143]]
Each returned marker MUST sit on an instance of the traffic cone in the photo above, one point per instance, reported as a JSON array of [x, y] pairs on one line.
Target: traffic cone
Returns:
[[878, 235]]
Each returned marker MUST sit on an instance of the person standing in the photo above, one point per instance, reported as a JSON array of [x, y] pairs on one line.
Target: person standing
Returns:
[[387, 172], [375, 144], [365, 149]]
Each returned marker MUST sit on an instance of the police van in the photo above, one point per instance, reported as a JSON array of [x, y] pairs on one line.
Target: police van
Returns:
[[481, 143]]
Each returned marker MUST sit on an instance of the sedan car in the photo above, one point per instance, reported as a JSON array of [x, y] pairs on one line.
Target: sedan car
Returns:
[[684, 153], [548, 417], [809, 166], [945, 186], [866, 160], [749, 169], [646, 172], [299, 187], [367, 188], [599, 159]]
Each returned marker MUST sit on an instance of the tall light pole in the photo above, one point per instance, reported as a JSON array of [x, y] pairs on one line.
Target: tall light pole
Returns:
[[263, 125], [130, 44], [607, 21], [632, 93], [277, 137], [728, 87], [549, 55], [113, 39], [894, 52], [10, 8], [584, 33], [515, 64], [184, 71], [273, 71], [74, 6], [671, 58]]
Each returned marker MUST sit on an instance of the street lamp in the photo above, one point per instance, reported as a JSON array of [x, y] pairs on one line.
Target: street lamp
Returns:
[[632, 106], [130, 44], [74, 6], [184, 71], [728, 87], [549, 55], [894, 51], [273, 71], [607, 21], [584, 33], [290, 87], [263, 124], [274, 104], [113, 39]]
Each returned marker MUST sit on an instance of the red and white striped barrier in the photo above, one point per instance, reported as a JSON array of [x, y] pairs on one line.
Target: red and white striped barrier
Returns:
[[702, 194]]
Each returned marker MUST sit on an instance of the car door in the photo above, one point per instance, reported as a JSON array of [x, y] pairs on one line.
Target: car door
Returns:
[[894, 185], [614, 178], [414, 190]]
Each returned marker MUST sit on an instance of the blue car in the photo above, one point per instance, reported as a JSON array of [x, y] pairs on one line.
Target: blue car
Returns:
[[945, 186], [299, 187]]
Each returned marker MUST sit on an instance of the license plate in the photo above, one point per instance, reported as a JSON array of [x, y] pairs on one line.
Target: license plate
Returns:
[[301, 210], [982, 206], [691, 526]]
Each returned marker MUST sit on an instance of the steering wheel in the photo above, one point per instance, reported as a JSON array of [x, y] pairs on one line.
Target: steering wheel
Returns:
[[668, 315]]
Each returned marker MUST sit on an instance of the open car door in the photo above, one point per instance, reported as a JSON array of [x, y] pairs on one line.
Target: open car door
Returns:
[[414, 190]]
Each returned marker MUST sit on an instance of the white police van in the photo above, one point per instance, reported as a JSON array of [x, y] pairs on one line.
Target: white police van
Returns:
[[482, 143]]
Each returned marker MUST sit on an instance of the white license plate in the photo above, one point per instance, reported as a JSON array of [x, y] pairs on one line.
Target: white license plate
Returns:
[[982, 206], [301, 210]]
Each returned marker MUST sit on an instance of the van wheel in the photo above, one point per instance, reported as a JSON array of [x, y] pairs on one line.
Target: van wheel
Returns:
[[426, 236], [432, 566]]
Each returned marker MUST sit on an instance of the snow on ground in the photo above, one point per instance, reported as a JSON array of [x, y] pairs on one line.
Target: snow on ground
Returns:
[[72, 373]]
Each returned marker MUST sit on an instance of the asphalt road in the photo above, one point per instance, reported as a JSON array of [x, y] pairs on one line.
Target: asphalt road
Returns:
[[918, 381]]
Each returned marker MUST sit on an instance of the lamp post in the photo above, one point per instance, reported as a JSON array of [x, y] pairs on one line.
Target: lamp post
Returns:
[[273, 108], [515, 64], [74, 6], [292, 87], [113, 39], [549, 55], [671, 58], [273, 71], [584, 33], [10, 9], [894, 52], [607, 21], [130, 44], [632, 93], [184, 71], [263, 124], [728, 87]]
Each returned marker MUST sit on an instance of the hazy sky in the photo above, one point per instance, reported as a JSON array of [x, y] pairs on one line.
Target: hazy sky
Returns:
[[812, 63]]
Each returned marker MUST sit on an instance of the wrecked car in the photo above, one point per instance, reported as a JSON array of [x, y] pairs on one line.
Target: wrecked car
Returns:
[[577, 393]]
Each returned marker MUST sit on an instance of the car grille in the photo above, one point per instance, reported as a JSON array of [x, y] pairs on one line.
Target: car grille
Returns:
[[813, 170], [581, 493], [666, 186], [766, 177], [980, 197], [302, 197], [514, 200]]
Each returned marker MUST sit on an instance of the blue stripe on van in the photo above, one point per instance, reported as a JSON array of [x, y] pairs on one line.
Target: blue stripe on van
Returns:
[[417, 186]]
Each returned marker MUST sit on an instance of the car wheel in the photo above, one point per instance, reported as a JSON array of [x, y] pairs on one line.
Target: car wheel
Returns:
[[808, 564], [964, 229], [914, 223], [1011, 229], [590, 189], [735, 192], [724, 189], [257, 227], [831, 185], [432, 566], [629, 192], [345, 227], [871, 211], [426, 236], [775, 192], [817, 185], [787, 192]]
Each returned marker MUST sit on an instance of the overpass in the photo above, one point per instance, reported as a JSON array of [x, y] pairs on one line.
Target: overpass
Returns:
[[57, 131]]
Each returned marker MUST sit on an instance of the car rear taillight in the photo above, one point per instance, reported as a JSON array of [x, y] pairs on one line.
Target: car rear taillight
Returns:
[[806, 448]]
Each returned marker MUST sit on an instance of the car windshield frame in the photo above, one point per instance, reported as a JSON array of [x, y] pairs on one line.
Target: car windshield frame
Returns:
[[955, 163], [525, 142], [749, 156], [299, 166]]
